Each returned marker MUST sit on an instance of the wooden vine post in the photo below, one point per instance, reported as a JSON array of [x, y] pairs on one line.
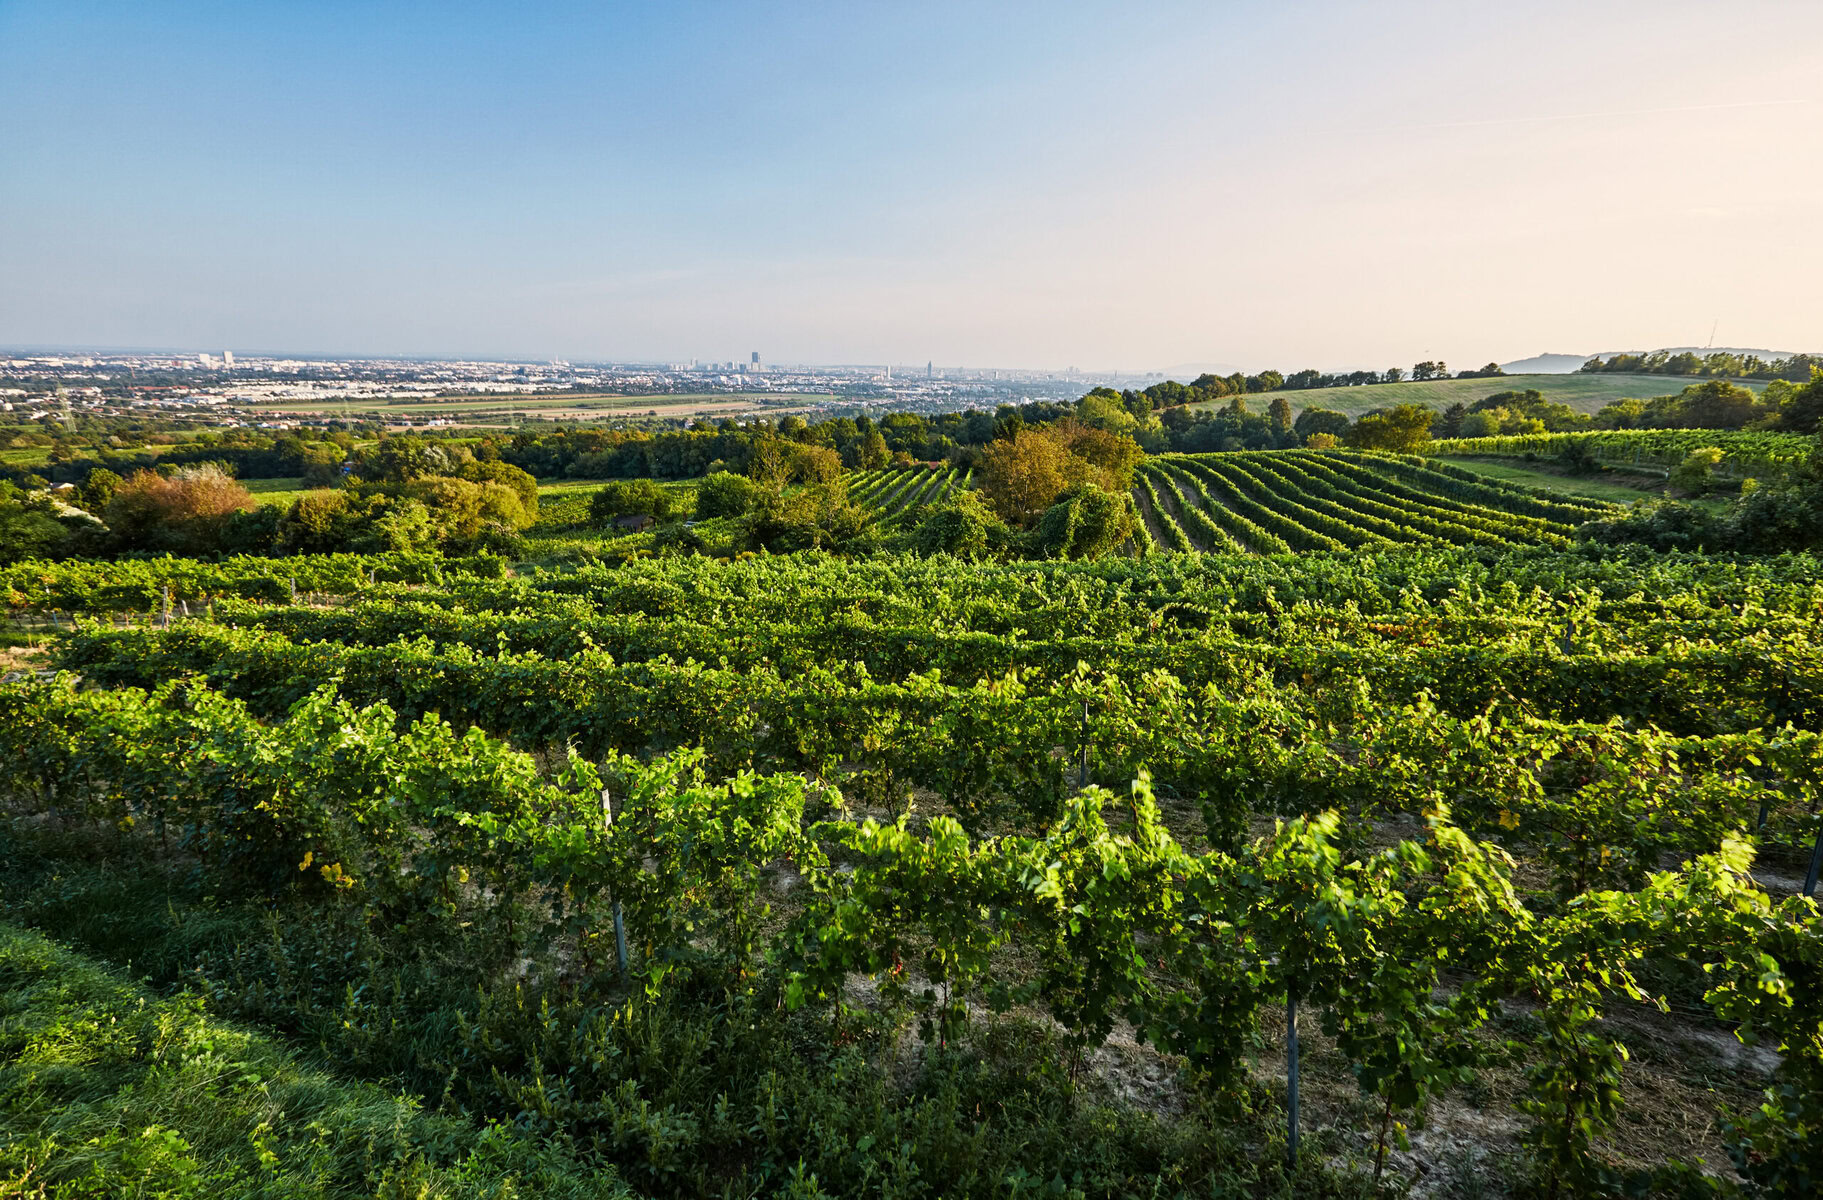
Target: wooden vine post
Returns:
[[1082, 769], [1291, 1077], [620, 925]]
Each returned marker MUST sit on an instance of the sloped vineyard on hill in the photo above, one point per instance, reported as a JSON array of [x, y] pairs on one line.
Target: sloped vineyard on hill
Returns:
[[1273, 501]]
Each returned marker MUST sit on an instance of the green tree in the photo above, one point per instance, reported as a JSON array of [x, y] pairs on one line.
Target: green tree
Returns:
[[1449, 422], [1102, 409], [814, 464], [1717, 404], [321, 522], [1023, 476], [1313, 421], [99, 488], [1803, 410], [873, 452], [399, 460], [29, 527], [1696, 474], [495, 471], [1279, 411], [817, 516], [1400, 430]]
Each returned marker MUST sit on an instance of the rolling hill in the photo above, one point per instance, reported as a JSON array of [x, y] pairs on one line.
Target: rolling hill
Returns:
[[1584, 393]]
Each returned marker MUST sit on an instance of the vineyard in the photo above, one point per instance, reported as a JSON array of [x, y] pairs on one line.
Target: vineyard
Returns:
[[1744, 453], [804, 876], [902, 491], [1271, 502]]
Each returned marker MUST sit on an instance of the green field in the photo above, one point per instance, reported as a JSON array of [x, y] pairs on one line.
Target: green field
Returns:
[[1584, 393], [25, 456], [276, 493]]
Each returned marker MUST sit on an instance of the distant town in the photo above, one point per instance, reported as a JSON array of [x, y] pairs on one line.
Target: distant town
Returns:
[[276, 392]]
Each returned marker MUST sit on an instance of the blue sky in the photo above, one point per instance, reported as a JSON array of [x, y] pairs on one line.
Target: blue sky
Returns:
[[1097, 185]]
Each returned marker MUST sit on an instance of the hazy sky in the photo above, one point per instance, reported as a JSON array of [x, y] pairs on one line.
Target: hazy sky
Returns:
[[1129, 185]]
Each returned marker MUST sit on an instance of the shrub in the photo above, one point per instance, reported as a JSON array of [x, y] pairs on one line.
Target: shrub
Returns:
[[627, 498], [816, 517], [1696, 474], [963, 526], [1663, 525], [1086, 522], [1578, 458], [725, 495]]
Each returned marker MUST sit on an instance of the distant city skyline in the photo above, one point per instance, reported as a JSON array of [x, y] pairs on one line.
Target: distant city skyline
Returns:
[[226, 360], [1122, 189]]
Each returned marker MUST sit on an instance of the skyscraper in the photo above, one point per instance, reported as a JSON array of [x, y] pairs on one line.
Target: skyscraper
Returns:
[[228, 358]]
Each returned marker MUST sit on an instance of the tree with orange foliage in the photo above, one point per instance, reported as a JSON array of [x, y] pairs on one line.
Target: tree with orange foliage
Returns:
[[184, 512], [1022, 476]]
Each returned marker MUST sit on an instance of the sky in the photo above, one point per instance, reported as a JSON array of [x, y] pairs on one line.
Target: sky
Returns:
[[1105, 186]]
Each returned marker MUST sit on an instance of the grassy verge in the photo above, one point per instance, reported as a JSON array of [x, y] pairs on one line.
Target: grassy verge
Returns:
[[107, 1090]]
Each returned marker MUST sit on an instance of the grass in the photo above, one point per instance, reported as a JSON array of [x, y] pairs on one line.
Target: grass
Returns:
[[1584, 393], [563, 513], [107, 1090], [1590, 487], [276, 493]]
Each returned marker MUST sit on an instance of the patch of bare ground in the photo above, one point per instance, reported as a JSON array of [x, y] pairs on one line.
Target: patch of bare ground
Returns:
[[1778, 884], [17, 662], [1154, 528], [1136, 1074], [1460, 1151]]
